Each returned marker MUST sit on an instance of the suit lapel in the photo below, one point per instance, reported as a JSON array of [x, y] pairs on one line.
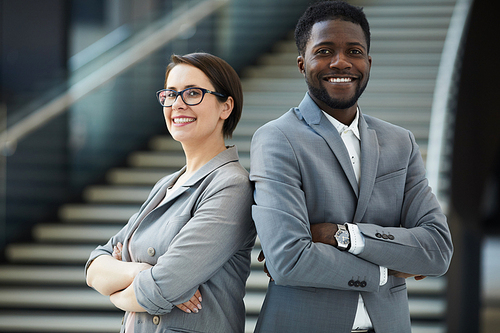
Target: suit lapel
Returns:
[[314, 117], [369, 162]]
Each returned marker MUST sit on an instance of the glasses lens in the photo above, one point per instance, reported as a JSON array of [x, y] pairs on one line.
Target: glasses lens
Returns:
[[192, 96], [167, 97]]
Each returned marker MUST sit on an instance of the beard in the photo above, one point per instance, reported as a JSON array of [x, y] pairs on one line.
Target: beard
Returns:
[[322, 94]]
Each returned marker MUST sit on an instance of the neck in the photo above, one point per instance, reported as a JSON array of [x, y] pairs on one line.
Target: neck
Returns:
[[197, 155], [345, 116]]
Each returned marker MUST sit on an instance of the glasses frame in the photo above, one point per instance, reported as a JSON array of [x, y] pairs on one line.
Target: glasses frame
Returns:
[[181, 93]]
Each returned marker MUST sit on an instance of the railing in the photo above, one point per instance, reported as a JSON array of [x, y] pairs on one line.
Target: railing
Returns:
[[443, 104], [143, 44]]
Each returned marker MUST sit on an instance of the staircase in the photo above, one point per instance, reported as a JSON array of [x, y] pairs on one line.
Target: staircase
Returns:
[[42, 286]]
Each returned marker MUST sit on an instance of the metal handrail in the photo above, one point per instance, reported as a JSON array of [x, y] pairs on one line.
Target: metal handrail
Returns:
[[443, 91], [148, 43]]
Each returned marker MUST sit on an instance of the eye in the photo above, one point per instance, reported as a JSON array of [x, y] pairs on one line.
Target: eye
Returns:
[[193, 92], [171, 94], [323, 51], [356, 51]]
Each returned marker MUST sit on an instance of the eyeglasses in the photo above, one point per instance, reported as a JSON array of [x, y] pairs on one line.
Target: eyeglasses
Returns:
[[190, 96]]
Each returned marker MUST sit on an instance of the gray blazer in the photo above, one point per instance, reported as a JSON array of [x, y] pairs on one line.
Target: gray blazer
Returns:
[[200, 238], [303, 175]]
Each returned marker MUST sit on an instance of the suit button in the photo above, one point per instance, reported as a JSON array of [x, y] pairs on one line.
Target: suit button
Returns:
[[391, 237], [156, 320], [384, 236], [351, 283], [362, 284], [357, 283], [378, 235], [151, 251]]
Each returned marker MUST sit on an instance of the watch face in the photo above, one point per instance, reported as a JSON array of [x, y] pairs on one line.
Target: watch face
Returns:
[[343, 238]]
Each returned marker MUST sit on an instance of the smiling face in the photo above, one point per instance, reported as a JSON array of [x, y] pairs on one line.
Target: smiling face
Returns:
[[336, 66], [200, 123]]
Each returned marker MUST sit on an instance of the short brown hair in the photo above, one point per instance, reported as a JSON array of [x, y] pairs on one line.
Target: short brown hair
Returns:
[[222, 76]]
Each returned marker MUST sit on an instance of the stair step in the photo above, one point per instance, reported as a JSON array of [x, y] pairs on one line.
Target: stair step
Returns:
[[403, 11], [80, 233], [157, 159], [38, 321], [116, 194], [48, 253], [97, 213], [137, 176], [406, 34], [36, 274], [169, 144], [54, 298]]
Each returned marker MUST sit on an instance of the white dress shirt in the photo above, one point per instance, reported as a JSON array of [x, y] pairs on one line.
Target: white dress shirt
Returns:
[[350, 136]]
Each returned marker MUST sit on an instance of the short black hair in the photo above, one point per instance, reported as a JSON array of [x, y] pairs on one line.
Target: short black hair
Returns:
[[329, 10]]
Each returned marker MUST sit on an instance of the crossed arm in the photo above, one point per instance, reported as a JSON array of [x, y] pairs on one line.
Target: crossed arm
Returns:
[[294, 246], [112, 277]]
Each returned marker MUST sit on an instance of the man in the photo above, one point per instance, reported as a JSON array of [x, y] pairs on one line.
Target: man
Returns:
[[342, 206]]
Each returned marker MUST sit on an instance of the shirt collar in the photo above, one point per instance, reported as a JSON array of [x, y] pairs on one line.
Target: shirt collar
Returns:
[[341, 127]]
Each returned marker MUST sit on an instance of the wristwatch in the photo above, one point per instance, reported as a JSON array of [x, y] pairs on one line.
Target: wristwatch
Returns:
[[342, 237]]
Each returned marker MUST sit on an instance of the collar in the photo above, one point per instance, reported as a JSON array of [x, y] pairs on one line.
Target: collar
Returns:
[[342, 127], [224, 157]]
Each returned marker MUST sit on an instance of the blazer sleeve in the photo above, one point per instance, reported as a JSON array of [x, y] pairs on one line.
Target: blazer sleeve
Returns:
[[422, 243], [280, 215], [219, 227]]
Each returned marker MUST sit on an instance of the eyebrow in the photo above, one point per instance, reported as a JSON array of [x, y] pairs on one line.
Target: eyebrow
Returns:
[[185, 87], [333, 44]]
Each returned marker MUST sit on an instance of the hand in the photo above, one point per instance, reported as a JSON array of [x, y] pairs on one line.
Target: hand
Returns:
[[406, 275], [117, 251], [261, 258], [324, 233], [193, 305]]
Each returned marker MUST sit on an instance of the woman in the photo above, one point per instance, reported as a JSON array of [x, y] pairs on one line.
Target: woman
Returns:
[[186, 254]]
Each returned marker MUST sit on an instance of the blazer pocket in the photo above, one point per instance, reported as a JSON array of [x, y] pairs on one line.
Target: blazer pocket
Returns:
[[179, 330], [390, 175], [398, 288]]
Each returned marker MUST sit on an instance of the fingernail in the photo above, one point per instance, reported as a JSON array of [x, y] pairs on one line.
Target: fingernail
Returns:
[[199, 306], [188, 311], [195, 310], [199, 298]]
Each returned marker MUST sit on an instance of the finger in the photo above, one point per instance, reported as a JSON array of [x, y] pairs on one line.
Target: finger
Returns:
[[116, 253], [119, 246], [193, 304], [267, 272], [420, 277], [197, 294], [261, 256], [183, 308], [195, 301]]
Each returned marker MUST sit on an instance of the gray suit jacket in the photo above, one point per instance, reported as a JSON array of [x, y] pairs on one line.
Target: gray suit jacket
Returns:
[[200, 238], [303, 175]]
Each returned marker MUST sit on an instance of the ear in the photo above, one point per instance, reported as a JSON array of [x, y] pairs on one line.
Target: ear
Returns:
[[301, 64], [227, 108]]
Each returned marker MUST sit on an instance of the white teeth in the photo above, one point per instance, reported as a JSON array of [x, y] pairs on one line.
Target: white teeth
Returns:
[[340, 79], [183, 120]]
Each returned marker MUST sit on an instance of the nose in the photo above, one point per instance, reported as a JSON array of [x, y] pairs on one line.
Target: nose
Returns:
[[178, 103], [340, 61]]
